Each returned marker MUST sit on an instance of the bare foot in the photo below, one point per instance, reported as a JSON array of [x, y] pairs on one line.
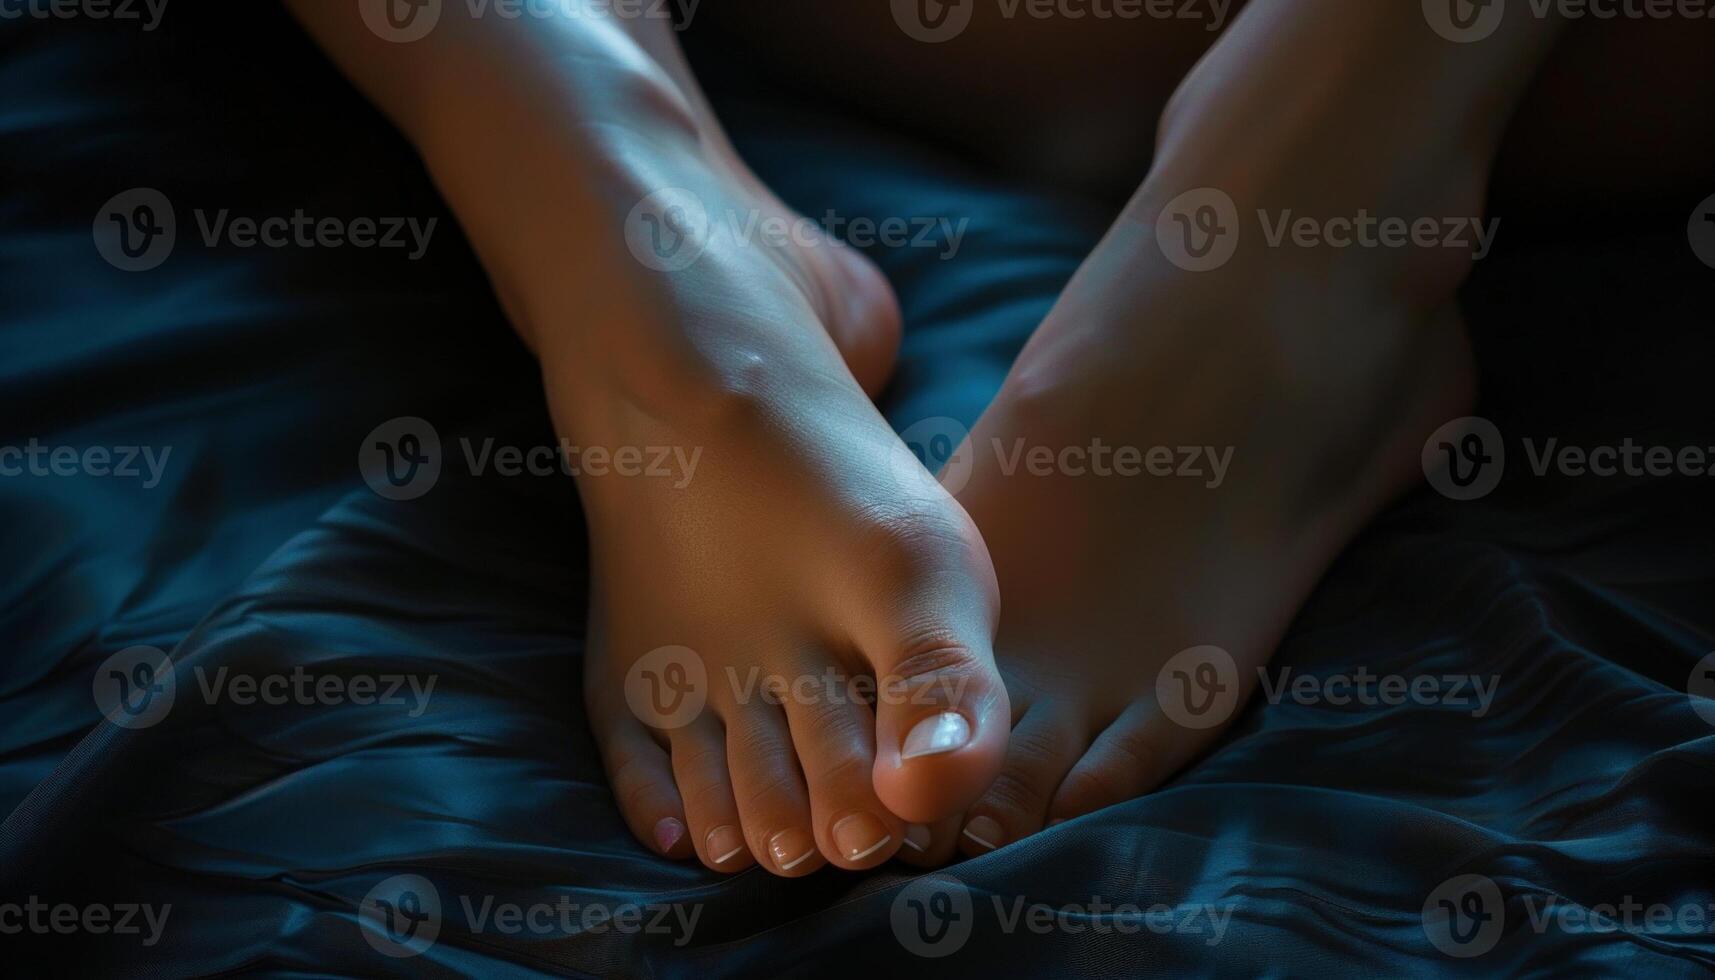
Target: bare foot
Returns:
[[1244, 317], [789, 645], [1145, 593]]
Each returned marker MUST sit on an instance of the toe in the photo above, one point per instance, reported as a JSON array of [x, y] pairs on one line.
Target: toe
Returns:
[[773, 804], [940, 729], [700, 767], [834, 736], [1132, 756], [931, 845], [1045, 744], [642, 778], [941, 713]]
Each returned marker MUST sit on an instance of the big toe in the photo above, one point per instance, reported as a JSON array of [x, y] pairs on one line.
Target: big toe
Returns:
[[941, 726]]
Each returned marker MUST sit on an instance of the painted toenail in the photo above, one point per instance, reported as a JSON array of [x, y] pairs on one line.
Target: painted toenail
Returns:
[[723, 843], [790, 848], [860, 835], [668, 831], [937, 733], [985, 831], [917, 837]]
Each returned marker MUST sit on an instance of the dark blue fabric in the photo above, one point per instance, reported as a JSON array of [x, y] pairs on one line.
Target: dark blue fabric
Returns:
[[1321, 829]]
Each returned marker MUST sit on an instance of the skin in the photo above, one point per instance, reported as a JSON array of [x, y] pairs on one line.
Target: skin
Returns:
[[804, 549], [808, 544], [1323, 369]]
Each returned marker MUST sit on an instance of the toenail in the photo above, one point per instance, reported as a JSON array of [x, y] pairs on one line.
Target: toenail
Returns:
[[937, 733], [723, 843], [790, 848], [917, 837], [860, 835], [985, 831], [668, 831]]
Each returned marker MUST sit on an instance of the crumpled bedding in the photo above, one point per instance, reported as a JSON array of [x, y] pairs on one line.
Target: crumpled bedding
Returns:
[[1308, 843]]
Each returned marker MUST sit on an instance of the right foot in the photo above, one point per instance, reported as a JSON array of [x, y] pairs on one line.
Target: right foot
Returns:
[[794, 551]]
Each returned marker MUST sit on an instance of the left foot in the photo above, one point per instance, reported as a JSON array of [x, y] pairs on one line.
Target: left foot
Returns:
[[1108, 577], [1138, 608]]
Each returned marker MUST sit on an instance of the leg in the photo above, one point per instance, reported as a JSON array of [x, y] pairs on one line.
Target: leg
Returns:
[[1310, 373], [777, 563], [1618, 111]]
